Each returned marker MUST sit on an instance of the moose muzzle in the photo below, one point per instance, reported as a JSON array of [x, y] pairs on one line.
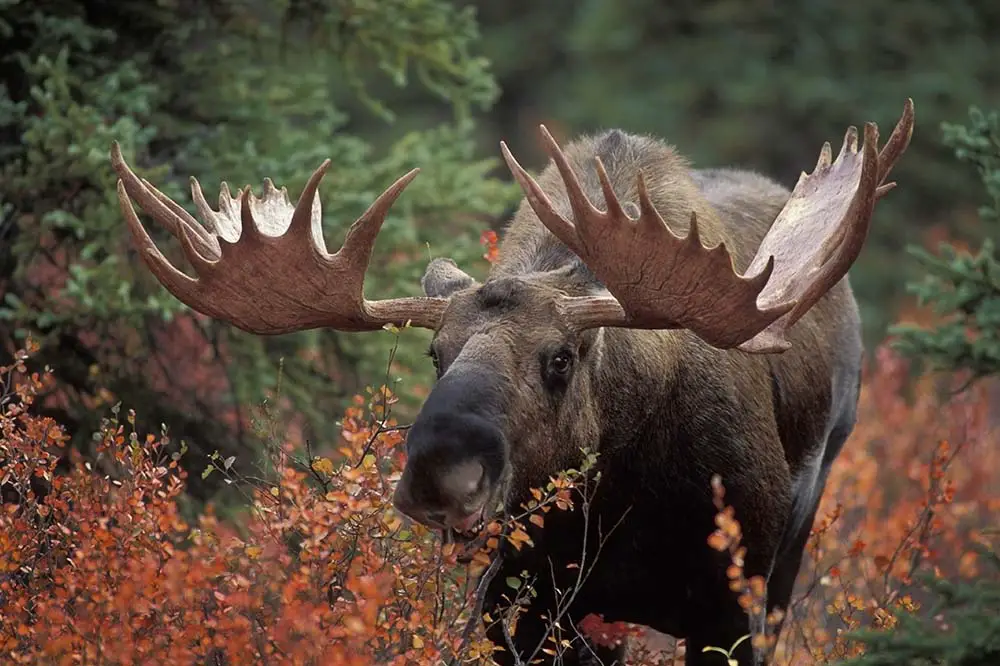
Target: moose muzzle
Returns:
[[455, 452]]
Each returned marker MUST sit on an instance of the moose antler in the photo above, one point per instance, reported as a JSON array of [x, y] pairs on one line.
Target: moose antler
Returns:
[[262, 263], [659, 280]]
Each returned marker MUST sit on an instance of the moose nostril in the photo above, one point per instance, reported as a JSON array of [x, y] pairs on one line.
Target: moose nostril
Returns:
[[463, 480]]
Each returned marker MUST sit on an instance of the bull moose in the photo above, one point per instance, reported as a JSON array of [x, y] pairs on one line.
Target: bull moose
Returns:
[[681, 322]]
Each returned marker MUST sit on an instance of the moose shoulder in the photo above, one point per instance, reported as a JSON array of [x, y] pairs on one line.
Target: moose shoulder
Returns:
[[681, 322]]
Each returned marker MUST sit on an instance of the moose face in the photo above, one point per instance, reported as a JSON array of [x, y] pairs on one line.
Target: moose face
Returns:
[[512, 405]]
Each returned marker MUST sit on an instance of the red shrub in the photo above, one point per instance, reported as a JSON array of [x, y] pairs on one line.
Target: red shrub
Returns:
[[98, 564], [100, 567]]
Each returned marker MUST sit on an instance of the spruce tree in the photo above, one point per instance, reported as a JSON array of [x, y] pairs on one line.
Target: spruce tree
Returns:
[[226, 90], [962, 288]]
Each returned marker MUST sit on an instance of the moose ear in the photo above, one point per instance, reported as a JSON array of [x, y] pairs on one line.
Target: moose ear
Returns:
[[443, 277]]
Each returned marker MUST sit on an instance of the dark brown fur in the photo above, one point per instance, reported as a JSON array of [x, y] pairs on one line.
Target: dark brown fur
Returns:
[[664, 410]]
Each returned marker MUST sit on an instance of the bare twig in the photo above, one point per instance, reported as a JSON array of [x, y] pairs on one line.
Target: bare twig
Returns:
[[477, 609]]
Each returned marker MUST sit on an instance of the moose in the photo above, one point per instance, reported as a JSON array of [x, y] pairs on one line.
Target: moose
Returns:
[[681, 322]]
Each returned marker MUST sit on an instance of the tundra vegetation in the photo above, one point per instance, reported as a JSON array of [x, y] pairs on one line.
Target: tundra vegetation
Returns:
[[106, 554]]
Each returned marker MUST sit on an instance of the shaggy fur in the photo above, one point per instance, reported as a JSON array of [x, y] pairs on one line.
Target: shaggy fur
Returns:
[[665, 411]]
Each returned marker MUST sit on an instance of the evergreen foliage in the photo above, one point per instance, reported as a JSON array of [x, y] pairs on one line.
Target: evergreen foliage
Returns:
[[961, 629], [964, 288], [237, 93]]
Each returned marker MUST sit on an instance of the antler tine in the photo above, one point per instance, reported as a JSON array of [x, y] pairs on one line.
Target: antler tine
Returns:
[[540, 203], [590, 225], [850, 144], [218, 223], [651, 218], [897, 144], [588, 220], [167, 213], [204, 210], [825, 156], [266, 269], [615, 210], [306, 225], [249, 231], [179, 284], [360, 239], [192, 224]]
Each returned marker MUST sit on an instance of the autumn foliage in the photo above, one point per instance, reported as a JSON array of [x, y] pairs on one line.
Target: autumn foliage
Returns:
[[97, 564], [100, 563]]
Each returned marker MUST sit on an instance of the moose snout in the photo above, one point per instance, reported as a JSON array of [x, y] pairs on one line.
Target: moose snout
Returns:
[[455, 497], [455, 452]]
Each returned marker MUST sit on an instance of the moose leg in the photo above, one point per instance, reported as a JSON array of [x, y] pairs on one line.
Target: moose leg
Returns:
[[786, 570], [789, 560]]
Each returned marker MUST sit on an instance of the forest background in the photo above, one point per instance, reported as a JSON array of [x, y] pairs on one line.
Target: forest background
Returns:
[[239, 90]]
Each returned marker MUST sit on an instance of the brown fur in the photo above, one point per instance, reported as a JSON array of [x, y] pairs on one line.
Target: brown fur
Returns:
[[664, 409]]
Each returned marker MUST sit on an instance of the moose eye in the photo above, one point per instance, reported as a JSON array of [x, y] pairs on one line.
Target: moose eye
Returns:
[[561, 363]]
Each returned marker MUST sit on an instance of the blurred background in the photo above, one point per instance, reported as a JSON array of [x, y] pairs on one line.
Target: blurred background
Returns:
[[239, 90]]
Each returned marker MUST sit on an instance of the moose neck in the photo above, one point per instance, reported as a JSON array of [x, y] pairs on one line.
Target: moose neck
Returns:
[[636, 369]]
